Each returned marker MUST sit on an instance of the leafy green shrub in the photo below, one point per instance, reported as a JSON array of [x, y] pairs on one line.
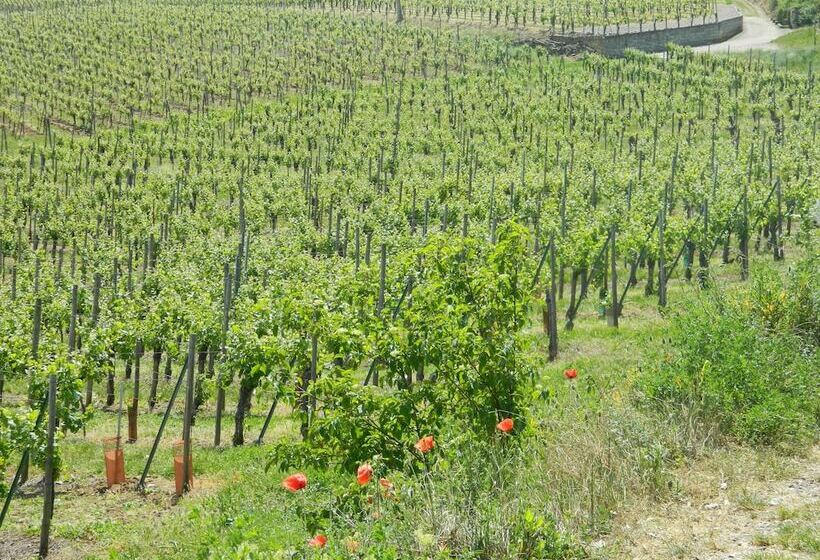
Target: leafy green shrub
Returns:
[[359, 423], [745, 362], [463, 323]]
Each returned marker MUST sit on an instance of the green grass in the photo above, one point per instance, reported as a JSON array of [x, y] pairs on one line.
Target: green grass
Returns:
[[15, 143], [771, 556], [799, 537], [799, 50], [805, 512], [805, 38]]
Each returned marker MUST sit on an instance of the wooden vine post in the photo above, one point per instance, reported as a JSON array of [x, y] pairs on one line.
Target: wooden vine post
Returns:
[[552, 307], [189, 412], [72, 325], [302, 400], [314, 363], [268, 418], [380, 301], [357, 247], [133, 407], [777, 229], [563, 216], [95, 313], [615, 308], [426, 217], [744, 228], [48, 474], [35, 349], [662, 250], [220, 390]]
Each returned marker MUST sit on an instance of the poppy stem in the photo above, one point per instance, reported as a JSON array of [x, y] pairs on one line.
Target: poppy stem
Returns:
[[428, 483]]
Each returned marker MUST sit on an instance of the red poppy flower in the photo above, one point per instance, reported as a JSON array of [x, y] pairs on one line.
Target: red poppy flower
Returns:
[[364, 474], [386, 484], [319, 541], [506, 425], [294, 482], [425, 444], [571, 373]]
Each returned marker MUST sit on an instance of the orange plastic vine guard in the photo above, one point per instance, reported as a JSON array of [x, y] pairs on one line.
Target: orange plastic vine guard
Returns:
[[114, 461], [179, 476]]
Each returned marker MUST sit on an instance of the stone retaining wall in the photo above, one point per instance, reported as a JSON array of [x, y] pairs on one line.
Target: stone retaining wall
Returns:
[[653, 37]]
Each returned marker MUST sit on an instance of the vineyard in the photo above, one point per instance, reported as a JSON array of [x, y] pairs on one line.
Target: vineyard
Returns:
[[362, 251], [552, 14]]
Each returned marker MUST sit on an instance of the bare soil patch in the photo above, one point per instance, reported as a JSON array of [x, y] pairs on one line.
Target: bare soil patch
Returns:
[[736, 506]]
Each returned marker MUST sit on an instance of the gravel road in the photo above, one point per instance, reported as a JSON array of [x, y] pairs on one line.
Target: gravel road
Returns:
[[759, 32]]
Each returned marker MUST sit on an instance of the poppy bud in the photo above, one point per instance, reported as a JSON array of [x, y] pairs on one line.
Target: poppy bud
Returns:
[[425, 444], [294, 482], [506, 425], [319, 541], [364, 474]]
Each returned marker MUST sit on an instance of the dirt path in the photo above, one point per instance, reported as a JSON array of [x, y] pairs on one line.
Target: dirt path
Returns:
[[738, 506], [759, 32]]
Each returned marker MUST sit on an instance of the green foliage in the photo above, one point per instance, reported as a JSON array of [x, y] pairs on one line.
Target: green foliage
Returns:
[[17, 432], [746, 360], [359, 423], [463, 324], [794, 13], [71, 415], [19, 429], [15, 349]]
